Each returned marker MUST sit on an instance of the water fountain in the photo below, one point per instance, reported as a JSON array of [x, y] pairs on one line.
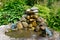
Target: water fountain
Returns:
[[31, 25]]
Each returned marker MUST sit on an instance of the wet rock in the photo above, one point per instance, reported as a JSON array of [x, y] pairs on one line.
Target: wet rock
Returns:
[[41, 20], [23, 18], [37, 28], [32, 28], [34, 16], [34, 8], [19, 25], [30, 13], [28, 17], [31, 20], [25, 24], [34, 23], [30, 25], [13, 26]]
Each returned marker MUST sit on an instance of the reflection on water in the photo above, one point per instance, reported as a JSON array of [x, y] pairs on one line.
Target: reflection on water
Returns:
[[30, 35]]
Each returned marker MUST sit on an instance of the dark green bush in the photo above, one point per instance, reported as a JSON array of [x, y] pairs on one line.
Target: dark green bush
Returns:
[[43, 11], [52, 18], [12, 11]]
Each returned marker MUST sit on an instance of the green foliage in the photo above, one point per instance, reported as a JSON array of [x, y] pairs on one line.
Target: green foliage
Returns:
[[12, 11], [43, 11], [30, 2], [52, 18]]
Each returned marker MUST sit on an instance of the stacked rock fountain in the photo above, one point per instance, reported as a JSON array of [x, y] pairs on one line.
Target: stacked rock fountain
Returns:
[[32, 22]]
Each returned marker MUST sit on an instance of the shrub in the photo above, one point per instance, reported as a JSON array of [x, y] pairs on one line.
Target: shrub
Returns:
[[12, 11], [52, 18], [43, 11]]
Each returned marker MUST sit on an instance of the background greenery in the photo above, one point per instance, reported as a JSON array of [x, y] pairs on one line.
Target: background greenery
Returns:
[[12, 10]]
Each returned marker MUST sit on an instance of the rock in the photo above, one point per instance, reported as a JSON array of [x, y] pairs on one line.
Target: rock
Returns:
[[41, 20], [4, 28], [23, 18], [30, 25], [13, 26], [19, 25], [35, 16], [42, 38], [8, 27], [37, 28], [50, 34], [43, 24], [35, 11], [28, 10], [32, 16], [42, 27], [31, 20], [25, 24], [34, 8], [34, 23], [4, 37], [28, 17], [32, 28], [56, 35]]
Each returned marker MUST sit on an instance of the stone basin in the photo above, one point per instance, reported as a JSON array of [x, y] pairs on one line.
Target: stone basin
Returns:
[[30, 35], [3, 36]]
